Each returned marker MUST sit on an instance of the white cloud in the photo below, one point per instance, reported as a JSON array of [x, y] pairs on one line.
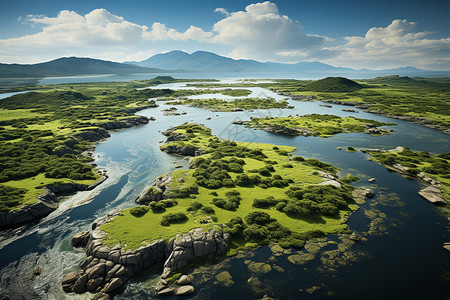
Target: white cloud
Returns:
[[396, 45], [222, 11], [261, 32], [96, 34], [161, 32], [72, 34]]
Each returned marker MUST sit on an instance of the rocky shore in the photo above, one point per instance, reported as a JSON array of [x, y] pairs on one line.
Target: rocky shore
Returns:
[[47, 202], [179, 149], [431, 193], [106, 269]]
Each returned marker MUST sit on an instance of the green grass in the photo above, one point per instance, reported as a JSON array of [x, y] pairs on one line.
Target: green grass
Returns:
[[313, 124], [6, 115], [231, 105], [132, 232], [34, 187]]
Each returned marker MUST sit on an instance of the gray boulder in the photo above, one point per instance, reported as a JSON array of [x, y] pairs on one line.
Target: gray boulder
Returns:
[[185, 290], [184, 280], [81, 239]]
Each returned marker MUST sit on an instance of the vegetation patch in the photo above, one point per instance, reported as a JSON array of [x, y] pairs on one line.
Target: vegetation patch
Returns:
[[313, 124], [243, 189], [233, 104]]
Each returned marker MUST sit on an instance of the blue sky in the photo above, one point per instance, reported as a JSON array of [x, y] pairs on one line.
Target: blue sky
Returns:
[[358, 34]]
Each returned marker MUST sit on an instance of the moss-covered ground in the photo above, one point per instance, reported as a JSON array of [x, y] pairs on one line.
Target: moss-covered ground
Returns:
[[233, 104], [316, 124], [260, 191]]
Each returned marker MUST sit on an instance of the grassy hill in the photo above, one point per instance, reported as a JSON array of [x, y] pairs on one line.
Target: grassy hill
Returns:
[[72, 66], [333, 85]]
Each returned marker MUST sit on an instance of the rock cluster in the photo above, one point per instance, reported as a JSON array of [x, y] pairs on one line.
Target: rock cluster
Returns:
[[106, 269], [156, 191], [433, 194], [93, 135], [125, 123], [329, 179], [283, 130]]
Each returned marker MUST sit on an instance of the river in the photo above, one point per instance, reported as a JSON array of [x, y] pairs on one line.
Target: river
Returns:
[[401, 258]]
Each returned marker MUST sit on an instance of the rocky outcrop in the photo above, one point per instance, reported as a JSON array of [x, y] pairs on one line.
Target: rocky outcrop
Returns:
[[156, 191], [447, 246], [433, 194], [81, 239], [194, 244], [46, 203], [125, 123], [93, 135], [300, 97], [106, 269], [183, 150], [377, 131], [184, 290], [283, 130], [329, 179]]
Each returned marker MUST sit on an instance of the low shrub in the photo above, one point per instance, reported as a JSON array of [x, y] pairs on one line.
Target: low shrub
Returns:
[[173, 218], [139, 211]]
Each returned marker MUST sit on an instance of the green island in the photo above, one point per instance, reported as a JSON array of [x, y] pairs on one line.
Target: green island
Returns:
[[425, 101], [317, 125], [234, 104], [256, 192], [430, 168]]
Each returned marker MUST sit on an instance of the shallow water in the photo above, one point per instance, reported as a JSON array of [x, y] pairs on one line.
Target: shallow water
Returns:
[[402, 257]]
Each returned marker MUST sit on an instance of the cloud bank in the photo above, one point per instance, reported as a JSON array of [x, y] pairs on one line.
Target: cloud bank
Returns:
[[259, 31], [396, 45]]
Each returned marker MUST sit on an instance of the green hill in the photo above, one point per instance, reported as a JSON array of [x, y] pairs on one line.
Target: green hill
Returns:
[[333, 85], [68, 66], [397, 80]]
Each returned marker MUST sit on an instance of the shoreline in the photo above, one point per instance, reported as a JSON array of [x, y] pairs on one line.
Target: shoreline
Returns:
[[48, 201]]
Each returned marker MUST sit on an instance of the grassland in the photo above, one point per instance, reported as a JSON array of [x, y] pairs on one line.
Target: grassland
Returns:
[[259, 191], [234, 104], [313, 124]]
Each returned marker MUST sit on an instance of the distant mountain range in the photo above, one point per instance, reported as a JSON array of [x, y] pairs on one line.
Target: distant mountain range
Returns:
[[67, 66], [202, 61]]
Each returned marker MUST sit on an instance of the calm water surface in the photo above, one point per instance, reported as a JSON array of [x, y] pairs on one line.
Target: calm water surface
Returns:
[[402, 258]]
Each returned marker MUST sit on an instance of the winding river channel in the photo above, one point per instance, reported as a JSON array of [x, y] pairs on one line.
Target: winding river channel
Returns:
[[400, 257]]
